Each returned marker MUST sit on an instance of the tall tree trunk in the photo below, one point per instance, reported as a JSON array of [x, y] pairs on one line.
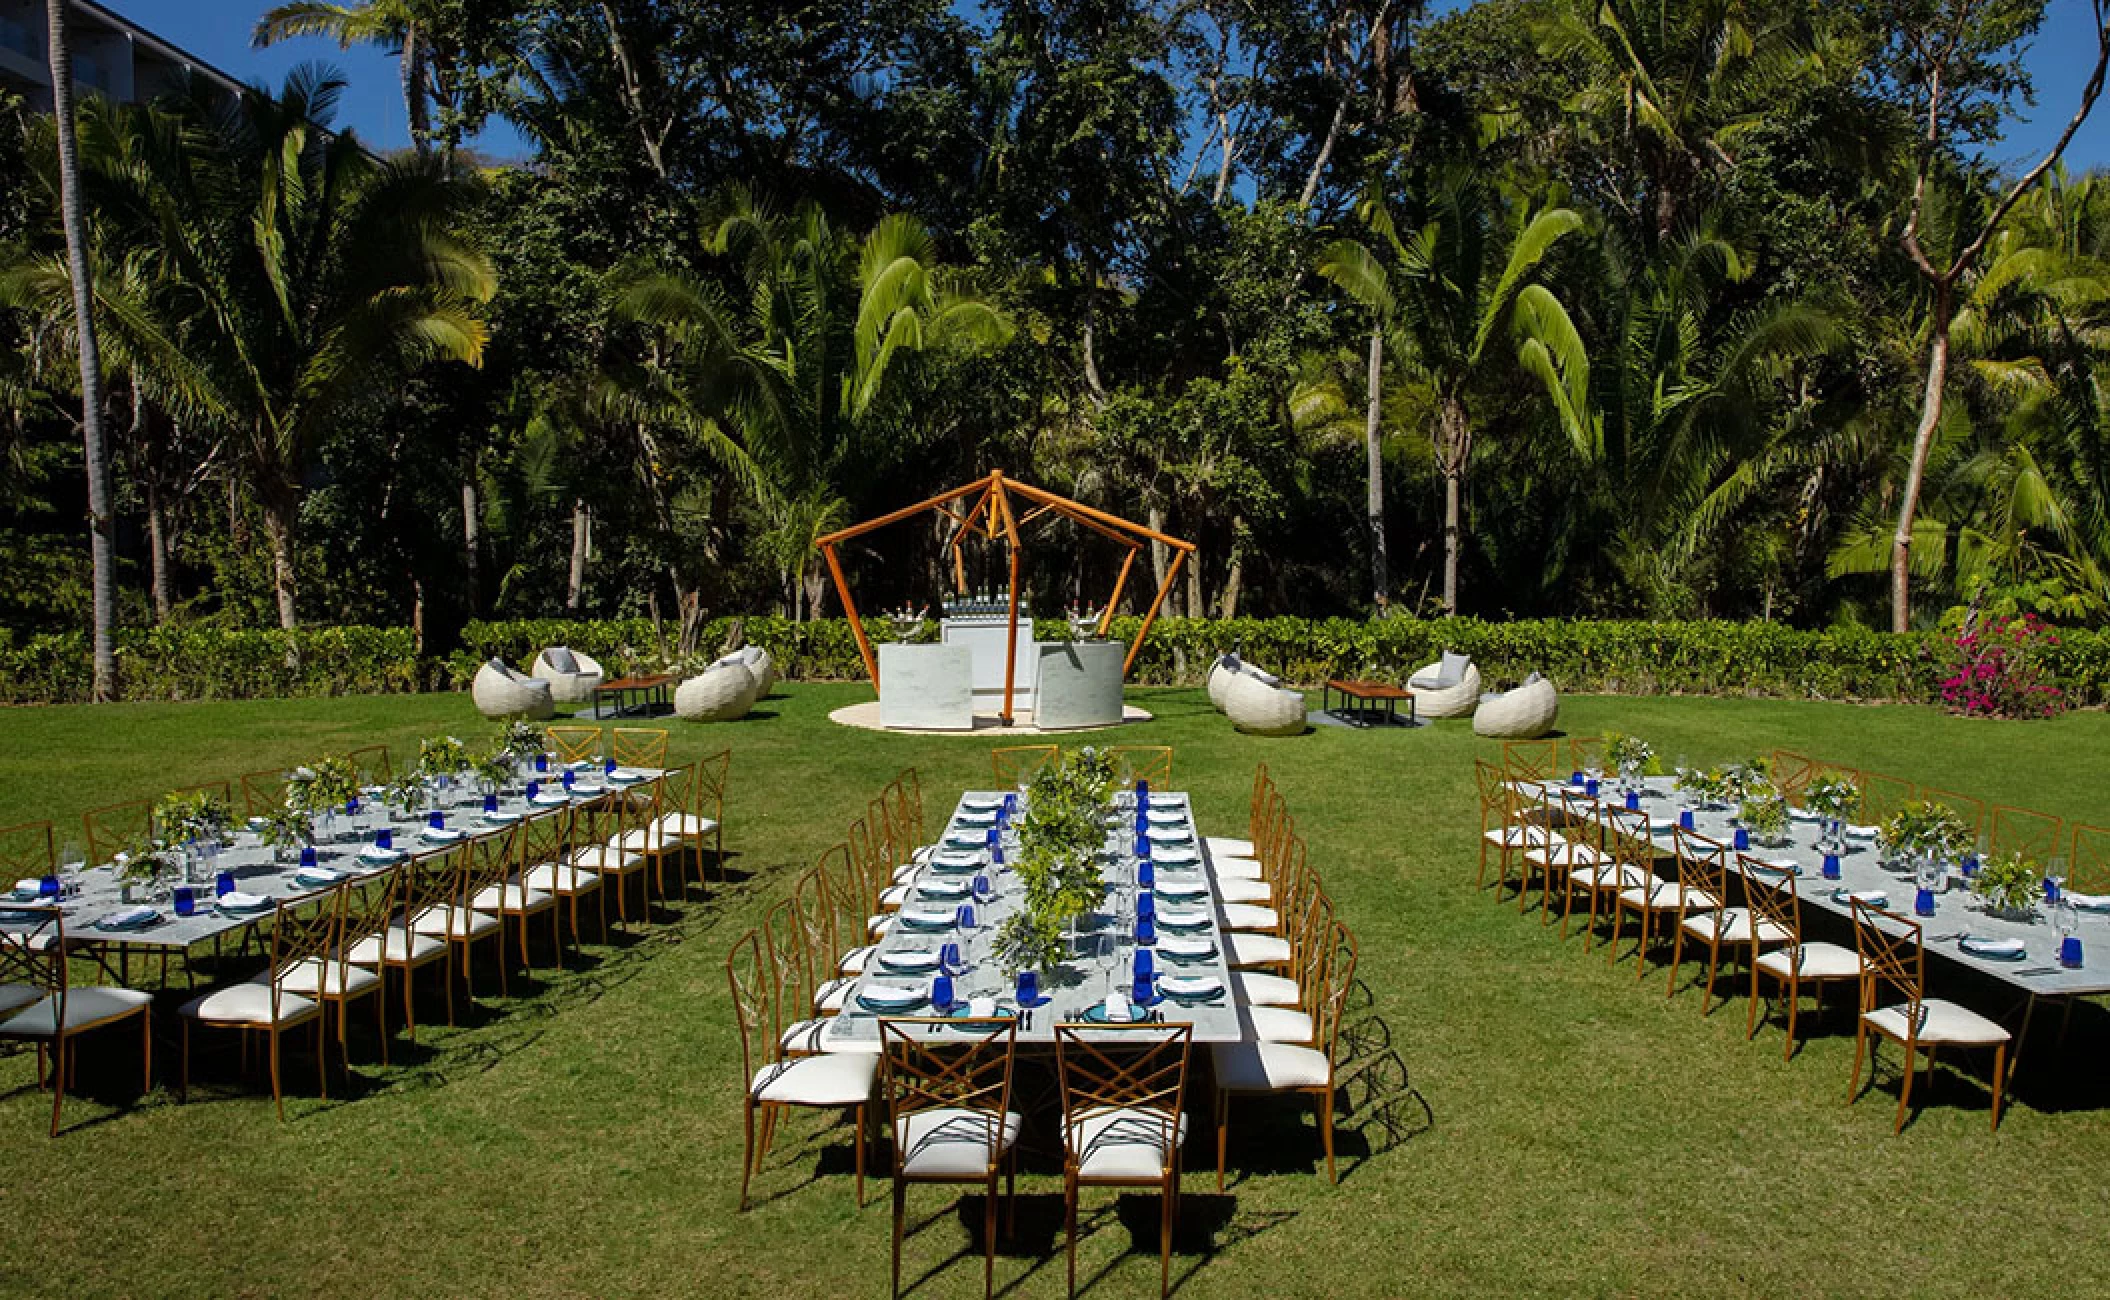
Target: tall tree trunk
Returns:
[[280, 511], [1922, 444], [417, 107], [1234, 575], [1160, 557], [581, 542], [1196, 606], [102, 525], [472, 566], [1374, 454], [1450, 543], [158, 552], [1454, 449]]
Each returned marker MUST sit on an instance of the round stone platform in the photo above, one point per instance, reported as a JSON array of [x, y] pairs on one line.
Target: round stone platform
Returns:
[[866, 717]]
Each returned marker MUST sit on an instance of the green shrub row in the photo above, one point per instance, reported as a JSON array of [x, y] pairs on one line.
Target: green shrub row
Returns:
[[1709, 658]]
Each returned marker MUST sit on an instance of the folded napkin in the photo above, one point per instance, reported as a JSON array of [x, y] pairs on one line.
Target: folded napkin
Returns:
[[625, 776], [1785, 866], [942, 888], [1165, 817], [256, 823], [1872, 897], [550, 799], [924, 916], [891, 995], [1176, 857], [910, 961], [587, 789], [1998, 949], [1174, 946], [1182, 918], [320, 877], [237, 901], [1860, 832], [1182, 888], [501, 818], [582, 765], [2088, 902], [981, 1008], [130, 918], [375, 856], [955, 858], [28, 886], [1191, 986], [444, 835], [981, 803], [976, 817], [1167, 835], [1118, 1011]]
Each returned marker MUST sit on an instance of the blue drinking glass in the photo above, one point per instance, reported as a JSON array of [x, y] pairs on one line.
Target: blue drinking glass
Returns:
[[2070, 952], [1923, 903], [1970, 864], [608, 767], [567, 778], [948, 956], [437, 821], [941, 993], [1633, 801], [1028, 988], [223, 884], [993, 839], [981, 885], [965, 918], [1146, 874], [490, 803], [542, 762], [1576, 777], [996, 854], [1146, 931], [1146, 963], [2051, 890], [534, 788], [1146, 904], [1143, 847], [1743, 839], [1685, 819], [307, 856], [1831, 866], [1145, 991], [351, 806], [186, 901], [48, 887], [1590, 786], [1010, 805], [384, 838]]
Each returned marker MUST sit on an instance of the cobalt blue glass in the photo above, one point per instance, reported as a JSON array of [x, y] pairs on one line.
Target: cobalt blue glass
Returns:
[[307, 856], [1146, 904], [1146, 874], [1633, 801], [567, 779], [2070, 952], [966, 916], [437, 821], [186, 901], [1146, 963], [1028, 988], [1685, 819], [1146, 932], [981, 886], [1590, 787], [1145, 991], [1831, 866], [223, 884], [351, 806], [949, 956], [1576, 777], [542, 762], [1923, 903], [534, 788], [48, 887], [2051, 891], [1743, 839], [608, 767], [1143, 847], [384, 838], [490, 803], [941, 993]]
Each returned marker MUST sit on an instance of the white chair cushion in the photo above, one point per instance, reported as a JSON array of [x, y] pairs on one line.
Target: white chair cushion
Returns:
[[953, 1141], [829, 998], [1236, 869], [1221, 846], [85, 1007], [1246, 916], [1941, 1022], [687, 826], [836, 1079], [649, 839], [1243, 949], [1245, 891], [1124, 1142], [397, 947], [1515, 837], [804, 1038], [903, 872], [876, 926], [556, 878], [1562, 853], [1733, 925], [454, 922], [249, 1004], [1610, 876], [1259, 989], [608, 860], [1281, 1025], [1269, 1067], [511, 897], [855, 960], [1812, 961], [330, 979], [1663, 897], [14, 997], [894, 896]]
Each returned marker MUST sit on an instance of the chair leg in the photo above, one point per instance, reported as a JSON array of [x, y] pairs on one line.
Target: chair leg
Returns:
[[1164, 1243], [1069, 1206], [278, 1095], [58, 1081], [1853, 1085], [860, 1157], [989, 1240], [1223, 1134], [183, 1077], [381, 1016], [900, 1217], [1905, 1093], [1751, 1012], [1677, 959], [1611, 947], [1326, 1129], [1714, 962], [322, 1055], [1999, 1081], [747, 1158], [146, 1052], [1794, 996]]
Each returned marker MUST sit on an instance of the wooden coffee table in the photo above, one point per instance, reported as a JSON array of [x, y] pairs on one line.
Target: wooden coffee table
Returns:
[[1375, 703], [651, 690]]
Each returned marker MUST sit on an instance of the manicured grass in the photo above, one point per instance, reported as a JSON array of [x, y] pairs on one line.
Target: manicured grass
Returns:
[[1523, 1120]]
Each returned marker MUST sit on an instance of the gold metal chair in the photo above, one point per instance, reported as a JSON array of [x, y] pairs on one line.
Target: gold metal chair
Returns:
[[947, 1085], [1656, 899], [1612, 866], [600, 838], [1016, 764], [305, 933], [1502, 826], [770, 1083], [1121, 1120], [550, 860], [1256, 810], [2031, 834], [1578, 844], [540, 841], [112, 829], [1152, 763], [1969, 807], [2088, 869], [28, 850], [1894, 957], [1531, 760], [334, 978], [575, 743], [1586, 754], [1883, 797], [1738, 929], [1800, 962], [477, 865], [1792, 773], [692, 802], [371, 763], [417, 886], [638, 746], [263, 792], [40, 1004], [1252, 1068]]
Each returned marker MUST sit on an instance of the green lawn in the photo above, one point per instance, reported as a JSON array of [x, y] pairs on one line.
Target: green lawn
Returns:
[[1524, 1120]]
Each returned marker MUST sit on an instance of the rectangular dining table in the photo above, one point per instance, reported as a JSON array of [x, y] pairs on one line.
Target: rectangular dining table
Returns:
[[257, 871], [1957, 912], [1101, 960]]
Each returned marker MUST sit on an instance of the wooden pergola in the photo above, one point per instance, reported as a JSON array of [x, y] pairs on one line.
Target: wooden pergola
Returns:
[[994, 514]]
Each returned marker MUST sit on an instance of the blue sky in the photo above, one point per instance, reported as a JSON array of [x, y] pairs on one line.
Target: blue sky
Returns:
[[218, 32]]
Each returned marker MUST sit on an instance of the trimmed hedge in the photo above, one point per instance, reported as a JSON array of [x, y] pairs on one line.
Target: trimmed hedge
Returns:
[[1640, 658]]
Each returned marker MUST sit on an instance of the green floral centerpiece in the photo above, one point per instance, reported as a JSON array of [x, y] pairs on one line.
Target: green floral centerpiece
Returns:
[[1925, 829], [2010, 884], [144, 864], [199, 815], [493, 768], [522, 740], [1059, 838], [1765, 814], [443, 757], [285, 830], [1704, 786], [322, 787], [1832, 797], [405, 795], [1630, 756], [1742, 780]]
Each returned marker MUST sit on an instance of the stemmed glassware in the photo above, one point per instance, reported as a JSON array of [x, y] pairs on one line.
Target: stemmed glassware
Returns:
[[2066, 921], [73, 860]]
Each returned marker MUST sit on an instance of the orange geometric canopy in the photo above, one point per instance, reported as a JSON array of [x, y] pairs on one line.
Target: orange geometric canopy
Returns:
[[994, 514]]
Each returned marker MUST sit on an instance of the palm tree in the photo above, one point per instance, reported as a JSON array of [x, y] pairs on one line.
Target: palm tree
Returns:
[[1441, 299], [401, 27], [296, 279], [102, 524]]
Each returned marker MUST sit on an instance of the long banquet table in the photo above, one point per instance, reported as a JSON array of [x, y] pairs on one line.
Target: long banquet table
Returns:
[[1102, 959], [347, 848], [1958, 913]]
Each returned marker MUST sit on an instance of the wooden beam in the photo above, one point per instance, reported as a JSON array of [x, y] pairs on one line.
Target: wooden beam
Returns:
[[1011, 641], [857, 628], [1171, 575], [1106, 619], [859, 530], [1079, 508]]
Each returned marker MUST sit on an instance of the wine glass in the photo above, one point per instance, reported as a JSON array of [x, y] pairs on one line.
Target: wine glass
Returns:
[[2054, 877], [73, 860]]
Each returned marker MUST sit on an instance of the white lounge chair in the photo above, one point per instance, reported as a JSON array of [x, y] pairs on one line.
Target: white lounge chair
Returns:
[[720, 693], [1259, 708], [1525, 713], [757, 661], [502, 692], [1448, 688], [573, 675]]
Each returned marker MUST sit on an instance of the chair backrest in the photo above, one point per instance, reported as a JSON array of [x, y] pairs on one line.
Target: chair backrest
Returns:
[[1341, 957], [368, 905], [487, 861], [307, 930], [1586, 753], [752, 975], [37, 956], [1703, 864], [1792, 773], [546, 838], [1530, 760], [786, 948], [713, 772], [966, 1071], [2032, 834], [1263, 786], [575, 743], [263, 792], [1136, 1067], [1772, 898], [1016, 764], [113, 828], [638, 746], [371, 763], [1626, 840], [1969, 807], [1883, 797], [1498, 798], [1152, 763], [1899, 960], [2088, 870], [908, 787], [27, 850], [813, 899], [867, 854]]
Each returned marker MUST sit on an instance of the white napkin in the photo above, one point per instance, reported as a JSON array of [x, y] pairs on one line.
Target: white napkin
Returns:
[[587, 789], [1191, 986], [968, 818], [910, 961], [954, 858], [1181, 888], [1171, 857], [28, 885], [1872, 897], [128, 917], [928, 916], [1166, 835], [1165, 817], [1118, 1012], [1170, 916], [1981, 947], [942, 888], [1173, 945], [501, 818], [981, 1008], [1860, 832], [237, 901], [2088, 902], [319, 876], [550, 799], [444, 835], [378, 856], [891, 995]]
